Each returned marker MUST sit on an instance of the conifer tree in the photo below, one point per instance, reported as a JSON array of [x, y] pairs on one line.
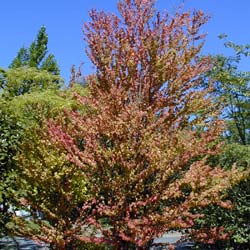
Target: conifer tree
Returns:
[[37, 55]]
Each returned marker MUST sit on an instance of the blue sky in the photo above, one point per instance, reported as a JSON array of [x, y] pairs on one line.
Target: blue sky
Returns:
[[21, 19]]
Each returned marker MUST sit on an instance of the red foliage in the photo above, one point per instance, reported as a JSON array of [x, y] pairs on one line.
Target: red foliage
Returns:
[[148, 127], [210, 235]]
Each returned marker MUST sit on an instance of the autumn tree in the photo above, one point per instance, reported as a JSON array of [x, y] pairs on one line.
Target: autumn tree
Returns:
[[147, 130]]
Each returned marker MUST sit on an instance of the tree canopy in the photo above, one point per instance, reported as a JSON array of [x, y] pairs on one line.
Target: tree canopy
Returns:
[[157, 139], [144, 147], [36, 56]]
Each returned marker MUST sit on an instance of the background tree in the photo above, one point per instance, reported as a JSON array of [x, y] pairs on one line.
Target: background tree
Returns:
[[19, 81], [145, 147], [36, 55], [24, 156], [231, 91], [30, 72], [16, 120], [55, 188]]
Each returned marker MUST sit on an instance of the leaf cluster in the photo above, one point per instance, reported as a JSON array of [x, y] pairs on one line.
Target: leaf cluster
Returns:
[[36, 55], [19, 81]]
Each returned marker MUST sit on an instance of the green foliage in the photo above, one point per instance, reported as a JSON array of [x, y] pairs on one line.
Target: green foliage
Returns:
[[235, 221], [25, 111], [232, 91], [11, 132], [8, 190], [33, 170], [22, 58], [18, 81], [33, 108], [31, 71], [234, 154], [28, 97], [38, 48], [36, 55], [50, 65]]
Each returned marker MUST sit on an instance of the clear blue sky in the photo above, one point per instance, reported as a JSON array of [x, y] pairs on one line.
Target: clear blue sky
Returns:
[[21, 19]]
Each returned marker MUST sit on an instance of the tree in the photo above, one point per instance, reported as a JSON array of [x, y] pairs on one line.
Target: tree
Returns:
[[22, 58], [36, 55], [23, 156], [14, 124], [31, 72], [147, 129], [232, 90], [55, 188]]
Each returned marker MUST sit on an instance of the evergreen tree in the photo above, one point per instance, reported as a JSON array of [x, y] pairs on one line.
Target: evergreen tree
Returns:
[[37, 55], [21, 59]]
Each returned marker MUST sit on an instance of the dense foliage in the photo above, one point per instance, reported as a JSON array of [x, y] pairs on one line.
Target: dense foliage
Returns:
[[147, 129], [37, 169], [142, 147], [23, 91], [231, 89], [232, 93], [11, 132], [19, 81], [53, 188]]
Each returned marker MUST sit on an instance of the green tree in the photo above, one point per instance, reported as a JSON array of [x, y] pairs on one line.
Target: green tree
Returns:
[[232, 93], [17, 84], [37, 55], [22, 58], [21, 122], [35, 73]]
